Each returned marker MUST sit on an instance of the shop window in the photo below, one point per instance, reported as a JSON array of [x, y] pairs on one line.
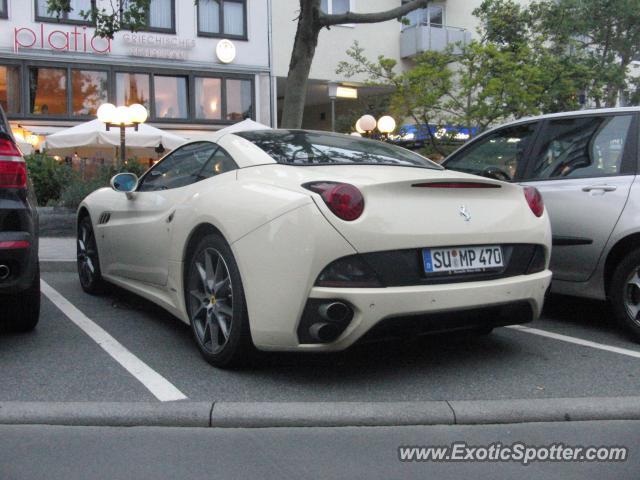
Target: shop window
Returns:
[[222, 18], [4, 13], [47, 91], [73, 16], [239, 100], [170, 96], [88, 91], [132, 88], [10, 88], [208, 98]]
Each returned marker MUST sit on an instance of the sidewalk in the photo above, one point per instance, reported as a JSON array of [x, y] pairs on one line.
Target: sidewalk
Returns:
[[58, 249]]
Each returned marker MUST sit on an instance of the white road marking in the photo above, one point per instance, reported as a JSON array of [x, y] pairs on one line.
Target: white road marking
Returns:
[[159, 386], [577, 341]]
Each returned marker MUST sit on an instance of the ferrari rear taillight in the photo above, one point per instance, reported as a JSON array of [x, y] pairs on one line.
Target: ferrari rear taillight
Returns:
[[534, 199], [343, 199]]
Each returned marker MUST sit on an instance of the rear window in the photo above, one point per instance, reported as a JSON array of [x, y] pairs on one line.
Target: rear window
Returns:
[[298, 147]]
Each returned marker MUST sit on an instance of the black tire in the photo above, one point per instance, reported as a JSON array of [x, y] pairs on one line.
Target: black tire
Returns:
[[88, 260], [624, 296], [22, 310], [216, 307]]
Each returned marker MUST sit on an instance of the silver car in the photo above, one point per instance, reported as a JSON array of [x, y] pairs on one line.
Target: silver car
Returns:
[[585, 164]]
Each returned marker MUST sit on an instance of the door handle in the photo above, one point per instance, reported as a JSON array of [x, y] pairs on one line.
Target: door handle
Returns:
[[170, 217], [604, 188]]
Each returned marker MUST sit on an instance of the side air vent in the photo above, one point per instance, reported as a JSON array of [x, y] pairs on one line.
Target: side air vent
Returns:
[[104, 218]]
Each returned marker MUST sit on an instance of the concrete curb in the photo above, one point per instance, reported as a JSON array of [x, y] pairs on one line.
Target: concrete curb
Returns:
[[319, 414], [112, 414], [326, 414]]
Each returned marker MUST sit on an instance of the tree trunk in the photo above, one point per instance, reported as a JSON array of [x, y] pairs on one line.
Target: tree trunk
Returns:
[[304, 49]]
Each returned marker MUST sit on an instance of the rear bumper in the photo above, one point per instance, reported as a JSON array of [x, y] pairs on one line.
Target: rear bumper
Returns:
[[21, 262], [441, 307]]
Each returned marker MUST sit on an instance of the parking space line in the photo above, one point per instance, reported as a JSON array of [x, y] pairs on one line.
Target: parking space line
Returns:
[[577, 341], [159, 386]]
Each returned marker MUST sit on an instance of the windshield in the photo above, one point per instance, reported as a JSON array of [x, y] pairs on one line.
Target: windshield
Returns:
[[299, 147]]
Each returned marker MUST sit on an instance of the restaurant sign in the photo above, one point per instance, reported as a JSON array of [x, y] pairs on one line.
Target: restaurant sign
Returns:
[[78, 40]]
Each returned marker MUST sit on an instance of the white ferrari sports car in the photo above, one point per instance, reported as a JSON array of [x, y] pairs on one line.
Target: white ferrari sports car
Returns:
[[301, 240]]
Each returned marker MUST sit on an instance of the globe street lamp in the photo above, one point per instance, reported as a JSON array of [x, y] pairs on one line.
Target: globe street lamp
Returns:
[[122, 117], [367, 124]]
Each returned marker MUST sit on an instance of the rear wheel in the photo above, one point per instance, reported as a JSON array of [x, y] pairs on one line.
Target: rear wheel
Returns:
[[22, 311], [216, 304], [88, 261], [624, 293]]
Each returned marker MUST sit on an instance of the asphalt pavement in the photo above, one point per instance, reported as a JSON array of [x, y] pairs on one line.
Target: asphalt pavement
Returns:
[[123, 361], [60, 362]]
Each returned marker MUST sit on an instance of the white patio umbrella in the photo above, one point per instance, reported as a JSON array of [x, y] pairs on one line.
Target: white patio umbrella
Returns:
[[244, 126], [95, 134]]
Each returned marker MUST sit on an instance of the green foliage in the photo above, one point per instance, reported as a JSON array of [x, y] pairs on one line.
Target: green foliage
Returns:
[[48, 177], [528, 60], [57, 184]]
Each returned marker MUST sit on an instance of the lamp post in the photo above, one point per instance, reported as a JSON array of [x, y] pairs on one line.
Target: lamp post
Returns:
[[366, 125], [122, 117]]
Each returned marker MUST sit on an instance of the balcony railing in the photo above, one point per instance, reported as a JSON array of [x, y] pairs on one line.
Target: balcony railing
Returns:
[[421, 38]]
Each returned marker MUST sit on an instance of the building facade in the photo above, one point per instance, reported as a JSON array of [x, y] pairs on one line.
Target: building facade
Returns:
[[195, 67], [433, 28]]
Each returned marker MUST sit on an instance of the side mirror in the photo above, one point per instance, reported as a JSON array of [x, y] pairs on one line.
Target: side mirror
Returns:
[[125, 183]]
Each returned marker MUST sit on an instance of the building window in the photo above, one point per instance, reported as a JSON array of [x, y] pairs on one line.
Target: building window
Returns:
[[208, 97], [222, 18], [170, 96], [132, 88], [47, 91], [4, 11], [336, 6], [159, 18], [10, 88], [88, 91], [432, 16], [239, 100], [74, 16]]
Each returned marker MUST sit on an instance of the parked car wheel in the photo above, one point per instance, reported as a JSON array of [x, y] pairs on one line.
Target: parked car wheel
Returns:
[[624, 293], [88, 260], [22, 310], [216, 304]]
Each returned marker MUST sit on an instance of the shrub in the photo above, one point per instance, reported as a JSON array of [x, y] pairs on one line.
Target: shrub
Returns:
[[49, 177], [77, 189]]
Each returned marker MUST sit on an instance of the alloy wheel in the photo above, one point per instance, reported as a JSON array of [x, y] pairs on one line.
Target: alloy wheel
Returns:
[[87, 254], [211, 300], [632, 295]]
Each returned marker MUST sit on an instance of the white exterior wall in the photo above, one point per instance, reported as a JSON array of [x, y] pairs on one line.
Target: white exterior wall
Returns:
[[377, 39], [252, 55]]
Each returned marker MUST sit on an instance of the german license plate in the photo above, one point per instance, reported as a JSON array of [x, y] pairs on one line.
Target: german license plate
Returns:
[[462, 259]]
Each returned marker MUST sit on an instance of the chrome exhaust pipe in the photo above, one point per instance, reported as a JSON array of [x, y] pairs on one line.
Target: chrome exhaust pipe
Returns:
[[334, 311], [323, 332], [5, 271]]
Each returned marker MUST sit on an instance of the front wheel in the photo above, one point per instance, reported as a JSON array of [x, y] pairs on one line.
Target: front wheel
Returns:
[[216, 304], [88, 261], [624, 293]]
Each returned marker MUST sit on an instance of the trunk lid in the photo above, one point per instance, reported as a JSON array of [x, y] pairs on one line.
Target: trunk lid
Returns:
[[415, 207]]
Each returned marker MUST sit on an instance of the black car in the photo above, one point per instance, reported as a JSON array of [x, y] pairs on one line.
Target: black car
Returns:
[[19, 270]]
